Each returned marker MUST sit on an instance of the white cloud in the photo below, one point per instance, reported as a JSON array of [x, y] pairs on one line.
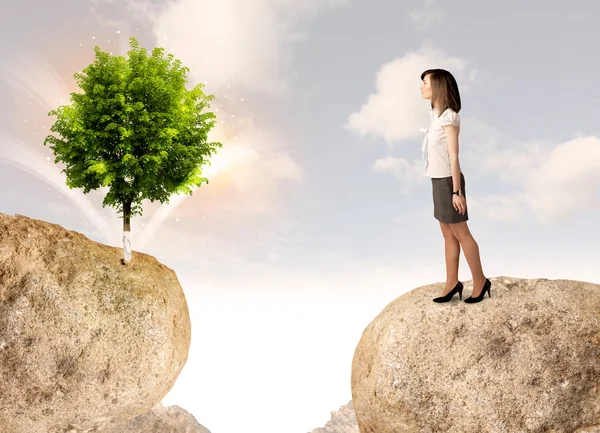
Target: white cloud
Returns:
[[409, 173], [514, 164], [554, 181], [234, 42], [396, 110], [566, 181]]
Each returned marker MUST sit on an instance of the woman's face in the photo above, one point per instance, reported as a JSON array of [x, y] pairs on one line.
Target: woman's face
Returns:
[[426, 87]]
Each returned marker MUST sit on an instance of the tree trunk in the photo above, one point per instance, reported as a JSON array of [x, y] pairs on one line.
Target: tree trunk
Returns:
[[126, 231]]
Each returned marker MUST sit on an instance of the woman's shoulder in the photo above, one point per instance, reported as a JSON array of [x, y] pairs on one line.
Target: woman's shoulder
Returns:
[[449, 110], [449, 117]]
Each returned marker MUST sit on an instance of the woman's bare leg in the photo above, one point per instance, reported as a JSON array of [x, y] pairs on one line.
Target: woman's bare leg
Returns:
[[471, 250], [452, 250]]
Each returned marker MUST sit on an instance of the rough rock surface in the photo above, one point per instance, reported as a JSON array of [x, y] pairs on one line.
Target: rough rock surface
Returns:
[[525, 360], [342, 421], [85, 342], [170, 419]]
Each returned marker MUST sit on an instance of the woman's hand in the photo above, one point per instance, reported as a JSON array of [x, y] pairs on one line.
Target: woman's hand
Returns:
[[459, 203]]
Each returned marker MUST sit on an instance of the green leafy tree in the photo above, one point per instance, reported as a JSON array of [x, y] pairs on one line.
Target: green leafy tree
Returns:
[[136, 129]]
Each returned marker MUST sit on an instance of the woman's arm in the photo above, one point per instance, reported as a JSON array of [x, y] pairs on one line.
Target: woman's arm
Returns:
[[452, 134]]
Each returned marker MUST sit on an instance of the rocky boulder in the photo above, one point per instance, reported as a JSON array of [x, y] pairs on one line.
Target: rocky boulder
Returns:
[[525, 360], [170, 419], [85, 342], [342, 421]]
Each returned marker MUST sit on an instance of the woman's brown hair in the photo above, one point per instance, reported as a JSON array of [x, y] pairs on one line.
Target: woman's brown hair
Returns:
[[444, 89]]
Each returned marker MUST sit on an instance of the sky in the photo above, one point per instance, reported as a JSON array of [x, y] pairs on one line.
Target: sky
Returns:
[[318, 212]]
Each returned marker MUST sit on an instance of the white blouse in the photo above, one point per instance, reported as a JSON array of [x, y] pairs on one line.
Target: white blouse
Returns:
[[436, 143]]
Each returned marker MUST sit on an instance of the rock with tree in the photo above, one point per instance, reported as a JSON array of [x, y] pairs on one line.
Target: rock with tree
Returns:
[[86, 344]]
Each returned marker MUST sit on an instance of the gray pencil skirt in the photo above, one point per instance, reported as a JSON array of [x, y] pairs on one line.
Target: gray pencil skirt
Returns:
[[443, 209]]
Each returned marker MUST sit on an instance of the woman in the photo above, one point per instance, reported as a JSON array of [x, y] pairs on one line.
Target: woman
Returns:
[[448, 183]]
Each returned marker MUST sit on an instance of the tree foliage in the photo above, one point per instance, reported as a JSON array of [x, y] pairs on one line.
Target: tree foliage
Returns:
[[134, 128]]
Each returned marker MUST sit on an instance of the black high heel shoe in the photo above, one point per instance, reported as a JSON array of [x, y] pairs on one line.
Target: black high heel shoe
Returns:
[[458, 288], [486, 287]]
